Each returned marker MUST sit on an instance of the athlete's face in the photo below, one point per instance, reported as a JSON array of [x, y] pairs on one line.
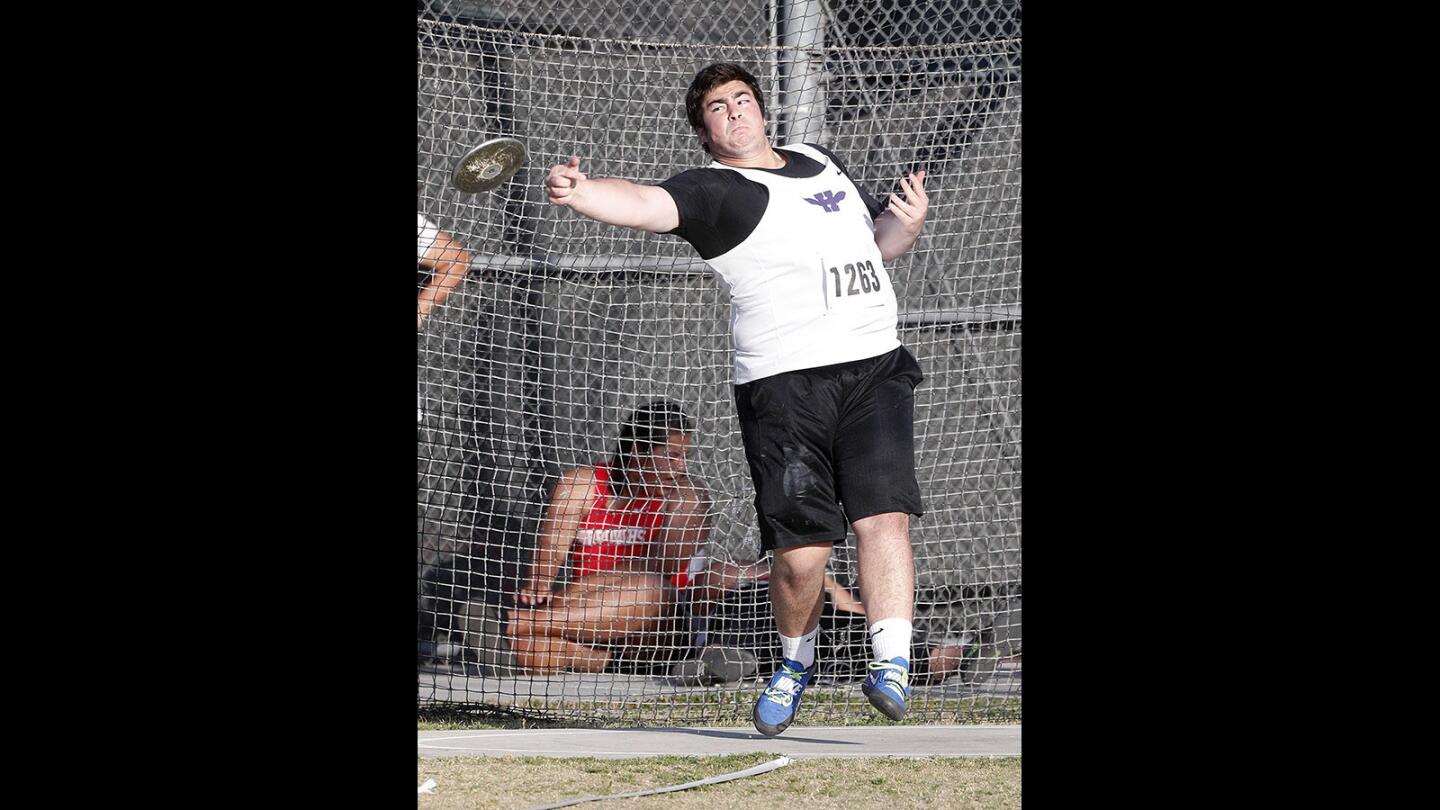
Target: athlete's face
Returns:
[[667, 461], [734, 126]]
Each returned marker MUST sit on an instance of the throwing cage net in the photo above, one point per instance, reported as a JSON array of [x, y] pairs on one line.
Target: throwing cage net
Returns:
[[564, 326]]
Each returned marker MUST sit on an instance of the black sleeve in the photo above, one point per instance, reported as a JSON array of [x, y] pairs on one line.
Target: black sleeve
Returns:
[[718, 208], [875, 207]]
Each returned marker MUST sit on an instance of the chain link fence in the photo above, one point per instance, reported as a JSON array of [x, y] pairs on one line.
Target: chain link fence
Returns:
[[565, 325]]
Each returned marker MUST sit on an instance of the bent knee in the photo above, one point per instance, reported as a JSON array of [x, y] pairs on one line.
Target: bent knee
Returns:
[[801, 565], [891, 527], [649, 589]]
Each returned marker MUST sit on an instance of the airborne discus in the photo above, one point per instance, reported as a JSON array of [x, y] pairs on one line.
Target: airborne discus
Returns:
[[488, 165]]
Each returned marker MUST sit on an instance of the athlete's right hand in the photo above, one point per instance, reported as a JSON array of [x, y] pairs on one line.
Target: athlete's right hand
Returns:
[[560, 183]]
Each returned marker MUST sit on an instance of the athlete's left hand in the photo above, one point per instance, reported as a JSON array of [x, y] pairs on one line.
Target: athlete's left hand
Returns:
[[533, 595], [912, 208]]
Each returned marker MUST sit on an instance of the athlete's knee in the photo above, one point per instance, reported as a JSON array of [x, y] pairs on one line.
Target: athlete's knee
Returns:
[[887, 527], [649, 590], [800, 566], [631, 593]]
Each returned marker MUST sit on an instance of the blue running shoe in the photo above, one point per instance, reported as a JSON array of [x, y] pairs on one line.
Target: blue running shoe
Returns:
[[887, 686], [780, 701]]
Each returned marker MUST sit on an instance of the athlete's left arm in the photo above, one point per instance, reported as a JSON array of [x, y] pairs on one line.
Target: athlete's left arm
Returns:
[[686, 528], [450, 262], [899, 226]]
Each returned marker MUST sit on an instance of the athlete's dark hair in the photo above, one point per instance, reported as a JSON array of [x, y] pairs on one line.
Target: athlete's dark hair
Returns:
[[710, 78], [649, 427]]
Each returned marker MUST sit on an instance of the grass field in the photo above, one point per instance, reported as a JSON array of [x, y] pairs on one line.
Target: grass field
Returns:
[[519, 782]]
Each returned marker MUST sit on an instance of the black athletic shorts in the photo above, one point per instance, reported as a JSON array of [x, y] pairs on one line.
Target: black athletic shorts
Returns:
[[822, 437]]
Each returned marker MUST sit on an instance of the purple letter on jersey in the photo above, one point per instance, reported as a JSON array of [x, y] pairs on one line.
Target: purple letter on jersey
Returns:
[[828, 200]]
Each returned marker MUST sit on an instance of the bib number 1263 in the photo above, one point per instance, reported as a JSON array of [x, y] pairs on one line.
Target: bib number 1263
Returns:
[[857, 278]]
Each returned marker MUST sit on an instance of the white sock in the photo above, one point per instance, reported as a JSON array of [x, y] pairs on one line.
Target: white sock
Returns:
[[800, 649], [890, 638]]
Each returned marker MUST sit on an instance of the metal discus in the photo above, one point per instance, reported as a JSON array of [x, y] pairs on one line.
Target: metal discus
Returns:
[[488, 165]]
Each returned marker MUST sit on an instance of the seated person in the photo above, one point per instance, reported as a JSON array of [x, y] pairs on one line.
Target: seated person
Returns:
[[631, 527], [441, 264]]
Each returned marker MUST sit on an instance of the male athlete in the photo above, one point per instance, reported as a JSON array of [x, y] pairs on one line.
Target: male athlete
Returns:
[[823, 388]]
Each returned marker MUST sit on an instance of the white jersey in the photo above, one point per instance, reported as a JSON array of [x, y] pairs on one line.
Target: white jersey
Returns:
[[807, 286], [428, 232]]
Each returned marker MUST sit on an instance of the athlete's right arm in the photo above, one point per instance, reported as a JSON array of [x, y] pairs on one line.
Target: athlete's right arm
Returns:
[[557, 530], [612, 200]]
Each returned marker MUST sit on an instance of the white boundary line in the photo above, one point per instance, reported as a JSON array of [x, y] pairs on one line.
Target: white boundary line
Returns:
[[766, 767]]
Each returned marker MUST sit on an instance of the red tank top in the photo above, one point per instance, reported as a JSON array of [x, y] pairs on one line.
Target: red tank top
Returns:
[[607, 537]]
